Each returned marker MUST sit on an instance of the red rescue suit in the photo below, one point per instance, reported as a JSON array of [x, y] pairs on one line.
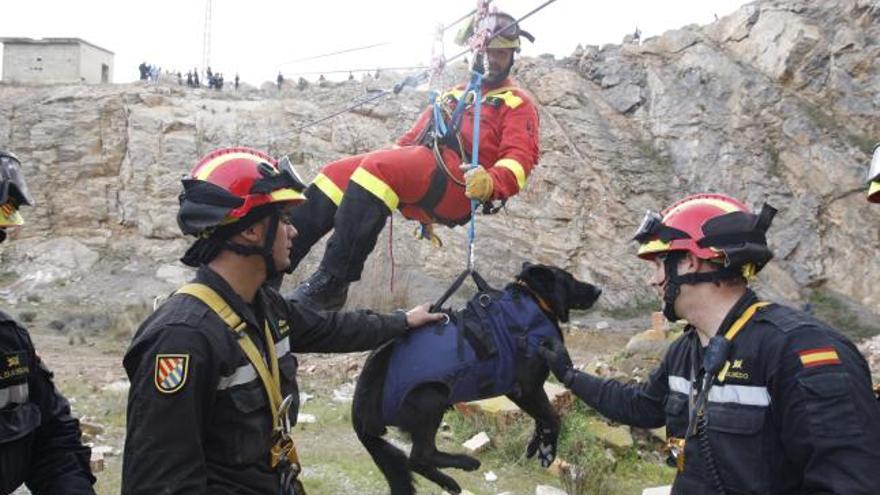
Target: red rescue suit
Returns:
[[401, 177]]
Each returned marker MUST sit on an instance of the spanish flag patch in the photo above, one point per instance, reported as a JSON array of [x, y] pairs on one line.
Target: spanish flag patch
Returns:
[[819, 357]]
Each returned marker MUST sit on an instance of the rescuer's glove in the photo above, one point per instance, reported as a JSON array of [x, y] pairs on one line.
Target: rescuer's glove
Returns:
[[478, 184], [556, 356]]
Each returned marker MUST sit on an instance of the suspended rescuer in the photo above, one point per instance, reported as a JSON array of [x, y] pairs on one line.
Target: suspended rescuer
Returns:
[[874, 176], [421, 177], [756, 397], [213, 375], [40, 442]]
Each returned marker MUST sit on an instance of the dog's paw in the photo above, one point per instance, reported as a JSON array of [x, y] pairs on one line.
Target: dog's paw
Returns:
[[451, 487], [470, 464]]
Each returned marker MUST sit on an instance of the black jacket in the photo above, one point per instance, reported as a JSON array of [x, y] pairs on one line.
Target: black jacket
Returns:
[[213, 434], [794, 415], [39, 439]]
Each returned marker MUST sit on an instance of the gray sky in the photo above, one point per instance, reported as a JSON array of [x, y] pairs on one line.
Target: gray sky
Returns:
[[257, 38]]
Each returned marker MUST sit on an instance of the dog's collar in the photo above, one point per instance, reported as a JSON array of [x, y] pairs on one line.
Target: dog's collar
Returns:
[[540, 300]]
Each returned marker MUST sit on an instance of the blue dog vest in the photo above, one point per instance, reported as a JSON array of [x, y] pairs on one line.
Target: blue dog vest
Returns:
[[473, 355]]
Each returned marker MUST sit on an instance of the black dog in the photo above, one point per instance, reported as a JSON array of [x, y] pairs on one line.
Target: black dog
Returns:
[[485, 350]]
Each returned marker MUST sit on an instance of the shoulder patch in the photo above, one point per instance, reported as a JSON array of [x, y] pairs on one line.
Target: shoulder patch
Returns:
[[171, 372], [819, 356]]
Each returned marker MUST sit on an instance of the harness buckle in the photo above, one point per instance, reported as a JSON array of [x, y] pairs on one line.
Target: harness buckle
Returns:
[[284, 457], [675, 447], [485, 300]]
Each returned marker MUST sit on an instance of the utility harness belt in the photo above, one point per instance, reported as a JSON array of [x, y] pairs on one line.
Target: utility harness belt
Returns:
[[282, 456], [435, 136], [715, 363]]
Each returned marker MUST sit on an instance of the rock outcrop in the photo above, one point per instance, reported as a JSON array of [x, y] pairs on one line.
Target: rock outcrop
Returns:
[[778, 102]]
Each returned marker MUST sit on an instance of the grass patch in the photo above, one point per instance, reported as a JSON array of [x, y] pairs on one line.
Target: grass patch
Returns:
[[108, 410], [7, 278], [640, 308], [648, 149], [832, 308], [594, 469]]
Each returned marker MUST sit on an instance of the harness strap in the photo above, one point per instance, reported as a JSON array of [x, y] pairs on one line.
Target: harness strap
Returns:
[[478, 331], [743, 319], [271, 379], [478, 279]]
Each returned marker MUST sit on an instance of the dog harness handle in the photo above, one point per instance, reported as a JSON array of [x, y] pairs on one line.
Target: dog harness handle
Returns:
[[478, 279]]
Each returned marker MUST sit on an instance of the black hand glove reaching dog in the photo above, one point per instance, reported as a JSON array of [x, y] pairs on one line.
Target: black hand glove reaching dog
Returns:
[[543, 443], [555, 354]]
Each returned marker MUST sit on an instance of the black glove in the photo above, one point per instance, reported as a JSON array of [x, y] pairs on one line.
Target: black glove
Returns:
[[543, 443], [554, 353]]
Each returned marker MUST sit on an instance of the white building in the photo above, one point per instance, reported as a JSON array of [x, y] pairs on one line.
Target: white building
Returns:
[[55, 60]]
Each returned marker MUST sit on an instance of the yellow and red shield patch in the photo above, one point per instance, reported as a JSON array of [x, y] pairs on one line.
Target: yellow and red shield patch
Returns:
[[171, 372]]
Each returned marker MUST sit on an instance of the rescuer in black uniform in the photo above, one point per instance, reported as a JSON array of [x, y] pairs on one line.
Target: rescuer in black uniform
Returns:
[[756, 397], [213, 375], [40, 442]]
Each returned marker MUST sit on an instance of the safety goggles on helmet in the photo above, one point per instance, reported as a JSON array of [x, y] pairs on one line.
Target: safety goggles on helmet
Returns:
[[502, 29], [13, 191], [652, 227], [282, 178], [12, 185], [874, 170]]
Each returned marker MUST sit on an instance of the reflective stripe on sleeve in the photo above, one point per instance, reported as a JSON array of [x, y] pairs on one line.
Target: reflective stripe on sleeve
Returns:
[[13, 394], [749, 395], [246, 372], [326, 186], [514, 166]]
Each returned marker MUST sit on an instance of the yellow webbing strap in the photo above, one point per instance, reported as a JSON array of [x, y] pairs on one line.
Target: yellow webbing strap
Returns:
[[271, 379], [743, 319], [735, 328]]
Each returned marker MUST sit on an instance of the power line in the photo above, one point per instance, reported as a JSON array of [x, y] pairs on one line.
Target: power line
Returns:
[[344, 71], [339, 52]]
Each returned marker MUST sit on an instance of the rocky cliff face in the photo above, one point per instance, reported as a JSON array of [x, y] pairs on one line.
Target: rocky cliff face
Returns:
[[777, 102]]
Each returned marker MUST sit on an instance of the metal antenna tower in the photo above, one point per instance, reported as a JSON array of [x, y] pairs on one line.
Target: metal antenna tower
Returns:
[[206, 39]]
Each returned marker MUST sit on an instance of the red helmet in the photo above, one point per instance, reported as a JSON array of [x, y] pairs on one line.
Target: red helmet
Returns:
[[229, 183], [711, 227]]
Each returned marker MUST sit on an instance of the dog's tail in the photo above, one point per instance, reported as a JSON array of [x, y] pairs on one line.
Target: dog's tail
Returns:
[[366, 418]]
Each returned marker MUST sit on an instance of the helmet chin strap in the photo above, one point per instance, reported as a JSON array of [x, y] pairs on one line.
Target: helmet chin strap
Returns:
[[673, 284], [265, 250], [674, 281]]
